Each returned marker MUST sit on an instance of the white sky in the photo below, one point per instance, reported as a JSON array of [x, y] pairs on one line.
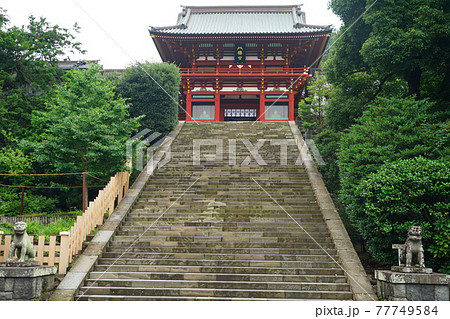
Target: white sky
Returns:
[[119, 36]]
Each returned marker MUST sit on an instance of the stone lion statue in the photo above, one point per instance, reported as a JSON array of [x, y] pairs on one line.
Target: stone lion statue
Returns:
[[412, 252], [21, 246]]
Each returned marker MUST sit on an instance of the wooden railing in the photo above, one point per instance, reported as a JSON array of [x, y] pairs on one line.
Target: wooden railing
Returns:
[[61, 248], [56, 251]]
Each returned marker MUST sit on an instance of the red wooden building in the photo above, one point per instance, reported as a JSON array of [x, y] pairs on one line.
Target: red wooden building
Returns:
[[241, 62]]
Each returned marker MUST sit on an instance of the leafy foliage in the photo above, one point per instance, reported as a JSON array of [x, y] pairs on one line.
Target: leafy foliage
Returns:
[[328, 143], [63, 121], [407, 38], [404, 193], [10, 203], [85, 126], [391, 130], [52, 228], [38, 228], [152, 89], [312, 108], [13, 161], [28, 69], [385, 52]]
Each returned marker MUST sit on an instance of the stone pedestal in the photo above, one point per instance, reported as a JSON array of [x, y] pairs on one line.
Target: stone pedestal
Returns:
[[412, 286], [412, 269], [25, 282]]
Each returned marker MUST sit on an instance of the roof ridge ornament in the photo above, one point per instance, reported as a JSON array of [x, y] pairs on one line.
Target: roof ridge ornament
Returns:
[[298, 16]]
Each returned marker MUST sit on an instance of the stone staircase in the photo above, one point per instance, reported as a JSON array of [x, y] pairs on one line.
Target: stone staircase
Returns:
[[217, 231]]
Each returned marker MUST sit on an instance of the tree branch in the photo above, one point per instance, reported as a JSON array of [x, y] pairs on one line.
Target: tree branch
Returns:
[[380, 87]]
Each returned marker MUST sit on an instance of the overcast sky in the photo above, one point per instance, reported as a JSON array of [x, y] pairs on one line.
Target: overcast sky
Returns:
[[116, 32]]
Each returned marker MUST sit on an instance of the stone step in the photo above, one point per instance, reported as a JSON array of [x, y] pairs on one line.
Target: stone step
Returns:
[[174, 298], [222, 241], [225, 210], [229, 269], [296, 233], [203, 182], [221, 204], [221, 245], [230, 209], [218, 277], [214, 220], [254, 225], [222, 169], [211, 292], [211, 256], [177, 216], [229, 238], [224, 250], [218, 262], [164, 229], [227, 197], [175, 284], [211, 195], [268, 213]]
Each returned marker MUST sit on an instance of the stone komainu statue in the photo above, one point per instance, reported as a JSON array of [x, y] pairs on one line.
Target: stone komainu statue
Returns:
[[411, 254], [21, 246]]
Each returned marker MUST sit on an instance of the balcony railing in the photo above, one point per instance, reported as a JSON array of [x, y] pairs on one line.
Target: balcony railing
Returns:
[[245, 70]]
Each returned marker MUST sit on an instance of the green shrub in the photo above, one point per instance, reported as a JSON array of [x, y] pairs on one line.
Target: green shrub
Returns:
[[7, 228], [152, 89], [390, 130], [328, 143], [404, 193], [38, 228], [33, 204]]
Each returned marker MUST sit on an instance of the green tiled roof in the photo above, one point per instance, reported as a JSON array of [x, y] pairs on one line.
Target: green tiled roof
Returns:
[[241, 20]]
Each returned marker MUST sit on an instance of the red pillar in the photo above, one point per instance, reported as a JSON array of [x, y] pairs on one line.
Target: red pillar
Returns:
[[291, 107], [262, 104], [188, 106], [217, 115]]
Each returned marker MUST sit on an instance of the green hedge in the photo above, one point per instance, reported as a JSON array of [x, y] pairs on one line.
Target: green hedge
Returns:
[[404, 193]]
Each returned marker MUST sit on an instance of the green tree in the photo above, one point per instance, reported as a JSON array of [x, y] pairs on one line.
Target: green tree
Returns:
[[344, 57], [85, 126], [408, 38], [312, 108], [152, 89], [28, 69], [405, 39]]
